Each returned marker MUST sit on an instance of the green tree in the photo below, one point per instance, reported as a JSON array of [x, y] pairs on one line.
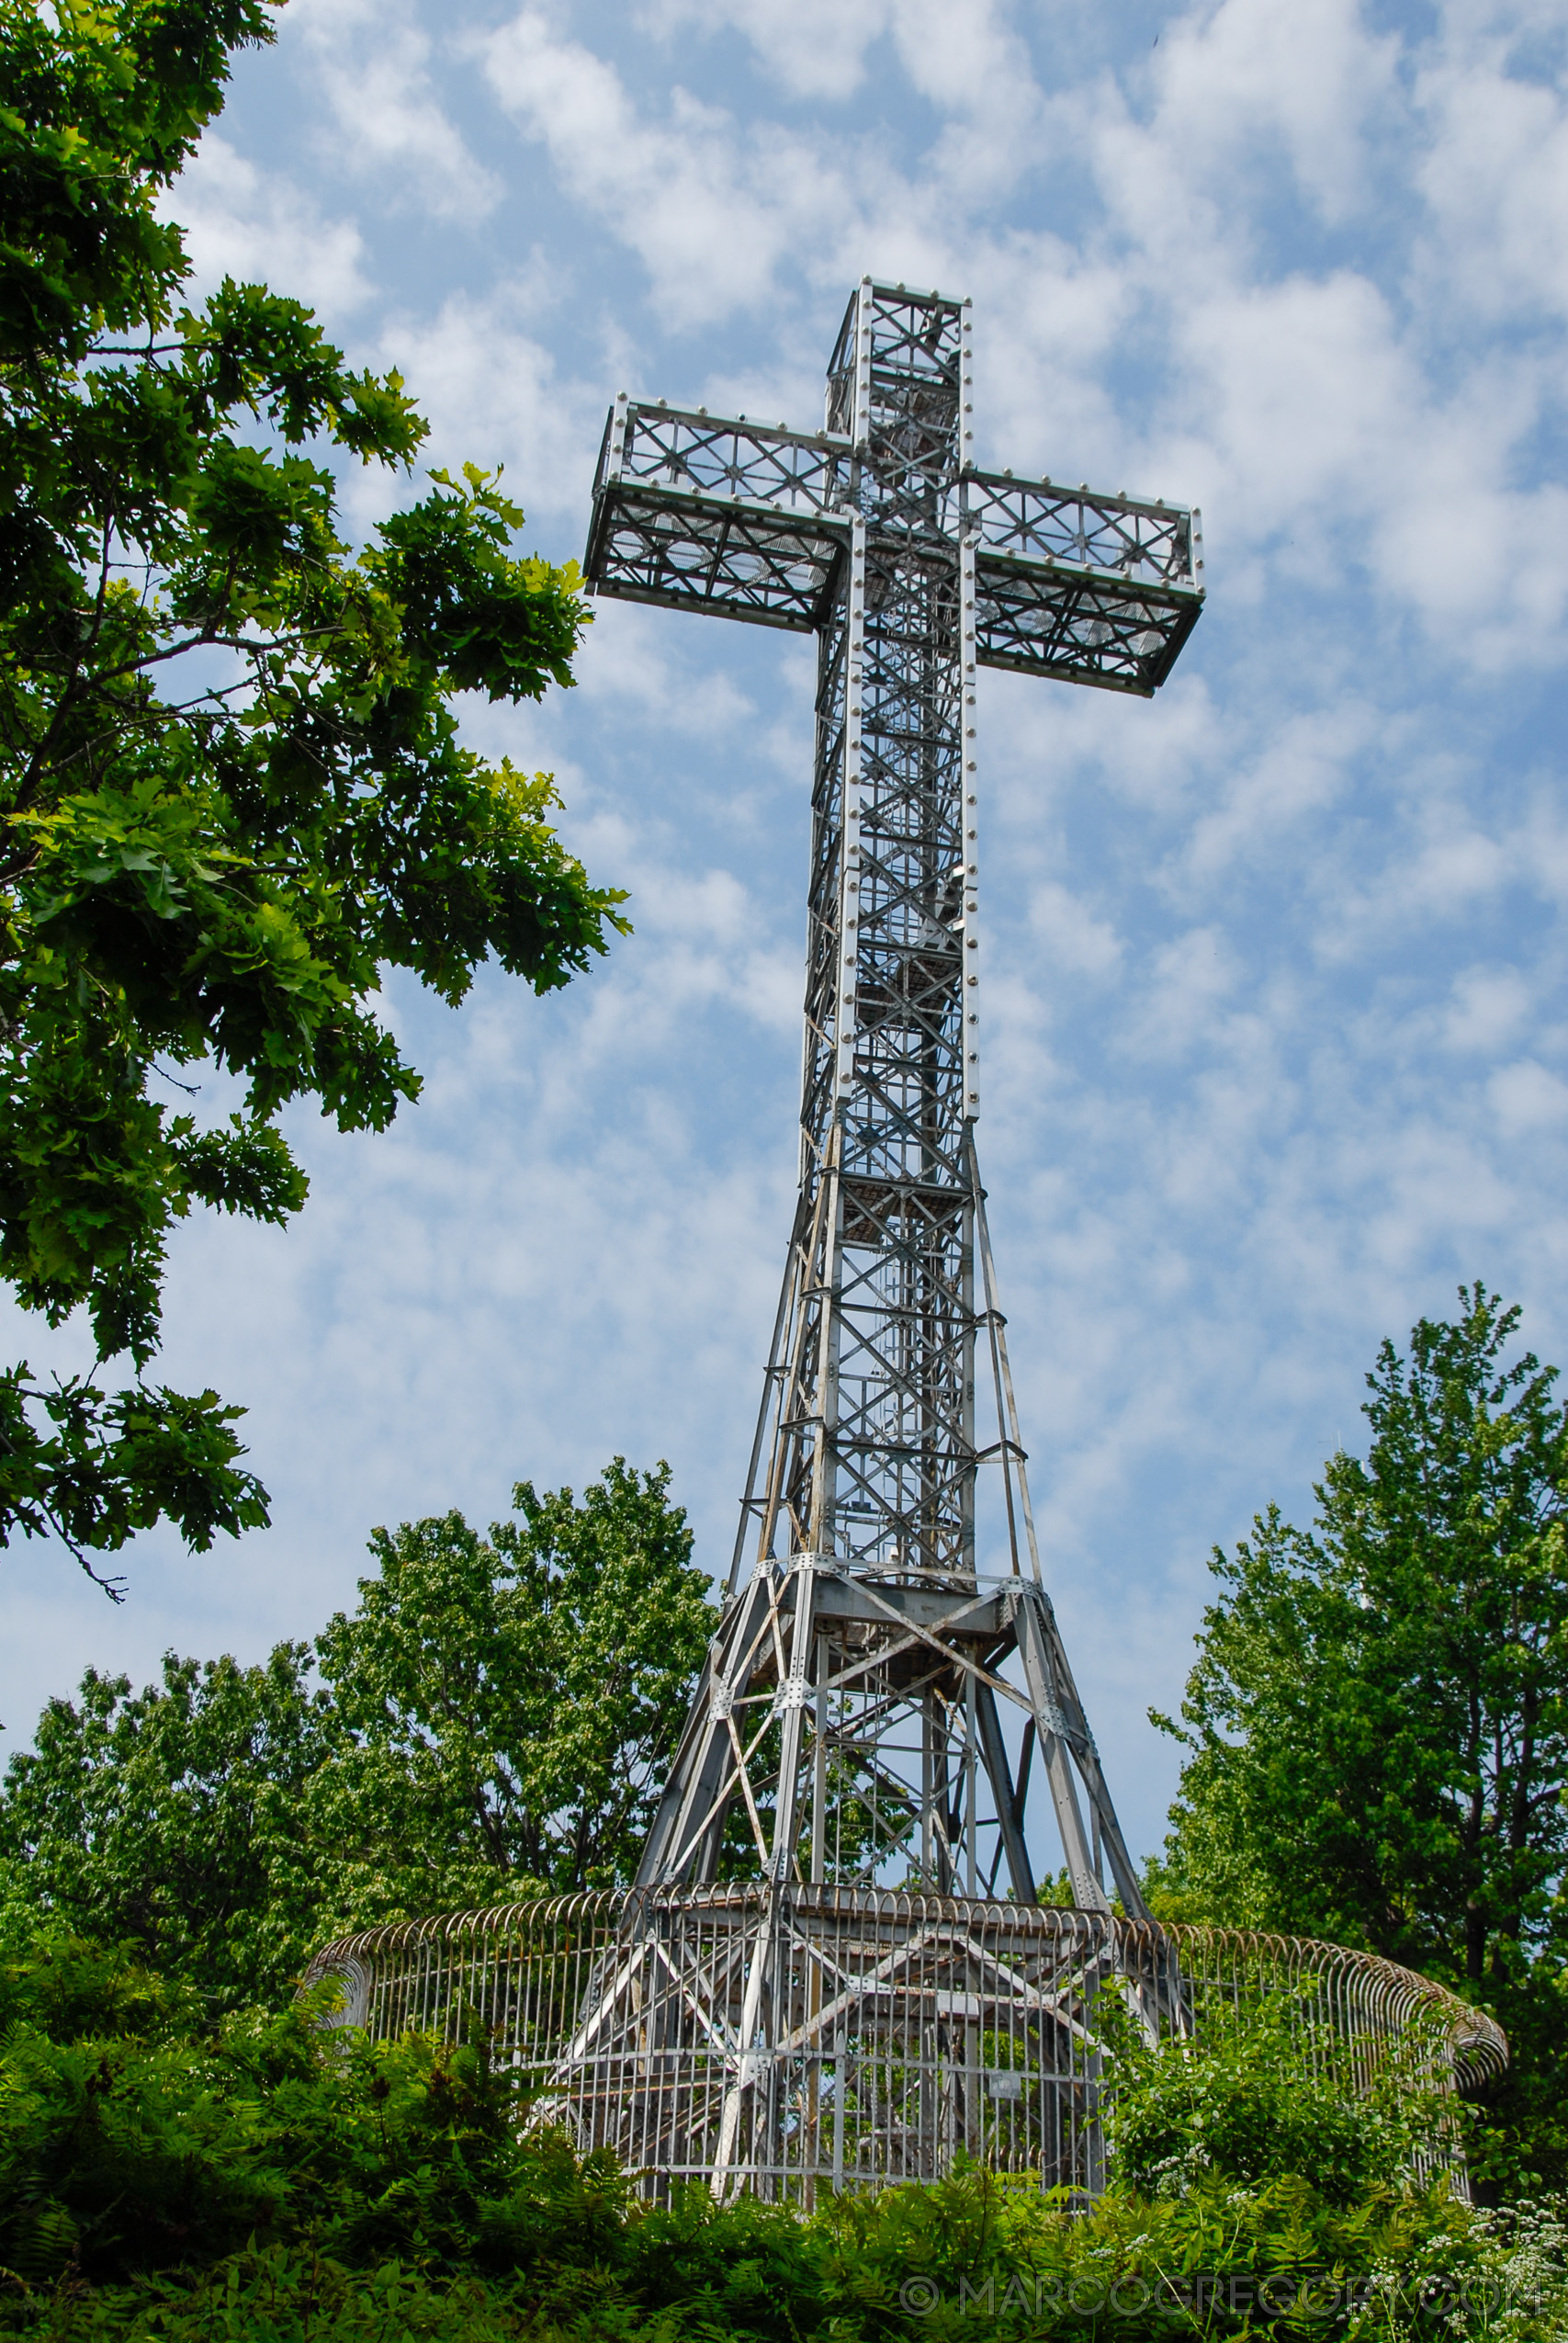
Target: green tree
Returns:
[[510, 1704], [491, 1721], [233, 788], [1377, 1722], [172, 1819]]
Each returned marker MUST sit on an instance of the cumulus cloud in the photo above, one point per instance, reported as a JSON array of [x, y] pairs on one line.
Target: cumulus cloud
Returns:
[[1258, 82], [965, 56], [815, 48], [1488, 1007], [494, 393], [1494, 170], [711, 212], [370, 64], [1305, 766], [255, 226], [1071, 934]]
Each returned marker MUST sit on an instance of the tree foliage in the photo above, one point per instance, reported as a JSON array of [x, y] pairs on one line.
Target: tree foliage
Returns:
[[162, 2175], [491, 1721], [233, 788], [512, 1701], [137, 2133], [1377, 1722], [171, 1819]]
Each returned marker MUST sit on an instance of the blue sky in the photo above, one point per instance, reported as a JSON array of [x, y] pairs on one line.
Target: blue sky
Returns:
[[1278, 1046]]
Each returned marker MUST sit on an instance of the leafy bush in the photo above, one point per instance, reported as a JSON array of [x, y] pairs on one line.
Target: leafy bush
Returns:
[[168, 2175], [972, 2257], [1258, 2098], [136, 2136]]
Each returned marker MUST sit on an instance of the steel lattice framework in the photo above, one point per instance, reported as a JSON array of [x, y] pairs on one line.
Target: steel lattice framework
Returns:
[[850, 1717], [850, 1700], [801, 2024]]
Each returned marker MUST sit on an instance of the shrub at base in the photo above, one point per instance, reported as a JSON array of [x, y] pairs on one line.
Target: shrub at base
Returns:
[[165, 2175]]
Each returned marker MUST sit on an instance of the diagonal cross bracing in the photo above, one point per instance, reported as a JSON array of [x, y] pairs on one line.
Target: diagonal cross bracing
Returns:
[[866, 1639]]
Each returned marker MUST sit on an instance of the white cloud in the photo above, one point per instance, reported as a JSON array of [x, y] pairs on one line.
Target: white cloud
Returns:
[[1261, 80], [370, 61], [815, 48], [493, 393], [1331, 452], [1302, 383], [645, 660], [1070, 935], [710, 212], [1488, 1007], [1495, 173], [1192, 975], [964, 56], [256, 227], [1305, 768], [1528, 1097]]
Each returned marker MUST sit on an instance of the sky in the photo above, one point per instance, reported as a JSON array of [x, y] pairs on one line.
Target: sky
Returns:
[[1277, 1041]]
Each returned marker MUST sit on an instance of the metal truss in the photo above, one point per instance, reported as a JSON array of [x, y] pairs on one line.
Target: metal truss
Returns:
[[850, 1721], [748, 521]]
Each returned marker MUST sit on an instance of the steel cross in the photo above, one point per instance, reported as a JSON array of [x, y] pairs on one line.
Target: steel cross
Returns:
[[855, 1611]]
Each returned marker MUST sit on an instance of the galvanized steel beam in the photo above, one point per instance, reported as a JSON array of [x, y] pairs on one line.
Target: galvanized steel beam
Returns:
[[849, 1721]]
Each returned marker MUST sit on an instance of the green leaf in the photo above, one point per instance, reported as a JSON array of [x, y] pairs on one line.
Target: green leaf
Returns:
[[233, 788]]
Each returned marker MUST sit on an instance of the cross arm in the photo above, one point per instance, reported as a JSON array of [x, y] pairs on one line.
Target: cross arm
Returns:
[[1093, 589], [745, 521], [730, 517]]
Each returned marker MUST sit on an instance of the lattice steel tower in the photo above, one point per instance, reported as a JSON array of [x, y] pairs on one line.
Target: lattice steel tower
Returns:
[[850, 1718]]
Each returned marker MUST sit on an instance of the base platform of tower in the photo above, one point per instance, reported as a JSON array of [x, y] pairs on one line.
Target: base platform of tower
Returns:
[[899, 2032]]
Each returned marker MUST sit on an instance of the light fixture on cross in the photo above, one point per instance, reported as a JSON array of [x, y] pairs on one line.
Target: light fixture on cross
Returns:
[[849, 1719]]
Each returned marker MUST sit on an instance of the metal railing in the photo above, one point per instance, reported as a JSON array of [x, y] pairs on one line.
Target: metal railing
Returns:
[[896, 2030]]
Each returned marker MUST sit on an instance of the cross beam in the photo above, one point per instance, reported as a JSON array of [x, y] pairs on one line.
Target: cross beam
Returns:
[[746, 522], [857, 1609]]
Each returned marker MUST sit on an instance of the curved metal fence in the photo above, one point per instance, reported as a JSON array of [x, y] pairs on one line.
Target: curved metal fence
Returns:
[[897, 2030]]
